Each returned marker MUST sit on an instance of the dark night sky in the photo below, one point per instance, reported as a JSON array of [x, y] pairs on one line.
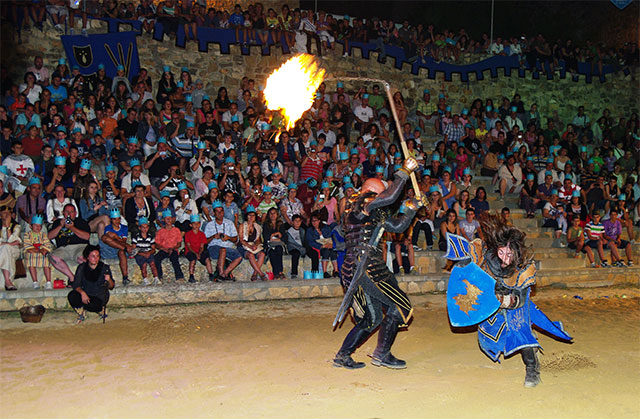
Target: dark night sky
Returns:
[[579, 20]]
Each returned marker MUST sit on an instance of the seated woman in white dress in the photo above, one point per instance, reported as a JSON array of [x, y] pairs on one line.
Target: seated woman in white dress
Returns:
[[10, 244]]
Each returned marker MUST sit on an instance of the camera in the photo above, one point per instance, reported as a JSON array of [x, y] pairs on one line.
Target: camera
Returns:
[[322, 196], [232, 168], [68, 220]]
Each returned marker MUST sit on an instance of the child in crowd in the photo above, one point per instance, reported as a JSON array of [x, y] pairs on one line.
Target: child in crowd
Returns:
[[146, 245], [164, 206], [575, 240], [36, 246], [168, 241], [295, 244], [195, 248]]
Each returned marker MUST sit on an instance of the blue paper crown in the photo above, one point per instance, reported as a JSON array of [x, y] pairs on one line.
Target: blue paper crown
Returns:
[[466, 171], [202, 145], [229, 160], [434, 189], [275, 171], [167, 213], [143, 220], [34, 181], [348, 185], [426, 172], [354, 151], [324, 185], [344, 155], [194, 218], [212, 185], [60, 161], [37, 219], [266, 189], [85, 164], [162, 140], [110, 168], [358, 171], [4, 169], [182, 186], [311, 182], [216, 204], [379, 169], [250, 208], [328, 173], [292, 186], [165, 194], [114, 213], [132, 140], [134, 162]]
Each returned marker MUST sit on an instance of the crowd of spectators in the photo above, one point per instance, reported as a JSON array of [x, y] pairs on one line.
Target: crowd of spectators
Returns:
[[156, 170], [298, 29]]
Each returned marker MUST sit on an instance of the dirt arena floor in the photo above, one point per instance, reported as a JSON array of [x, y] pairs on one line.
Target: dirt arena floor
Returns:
[[273, 359]]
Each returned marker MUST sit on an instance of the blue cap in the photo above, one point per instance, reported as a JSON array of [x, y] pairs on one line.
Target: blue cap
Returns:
[[4, 169], [179, 84], [372, 151], [324, 185], [100, 66], [85, 164], [514, 109], [165, 194], [114, 213], [311, 182], [590, 161], [448, 109], [191, 124], [213, 185], [549, 159], [344, 155], [530, 176], [622, 197], [132, 140], [37, 219], [234, 118], [548, 173], [441, 96], [78, 105], [434, 189], [250, 209], [466, 171], [465, 111], [143, 220], [348, 185], [446, 169], [62, 128], [136, 183], [354, 151], [426, 91], [275, 171], [397, 155], [167, 213], [182, 186], [195, 218], [426, 172], [489, 108], [62, 61], [60, 161], [266, 189], [188, 98], [575, 194], [339, 84], [184, 70], [134, 162], [120, 67], [34, 180], [229, 160], [435, 157], [201, 145], [216, 204], [162, 140], [328, 173], [166, 69], [110, 168], [554, 192], [379, 169], [583, 149], [358, 171], [365, 96], [500, 156], [206, 97], [292, 186]]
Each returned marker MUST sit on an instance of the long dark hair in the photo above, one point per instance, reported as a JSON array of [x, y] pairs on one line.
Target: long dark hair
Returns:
[[498, 234]]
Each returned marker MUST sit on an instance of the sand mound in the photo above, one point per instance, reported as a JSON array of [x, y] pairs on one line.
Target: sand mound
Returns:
[[566, 362]]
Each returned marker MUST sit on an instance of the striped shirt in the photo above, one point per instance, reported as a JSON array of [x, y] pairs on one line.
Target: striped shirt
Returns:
[[312, 168], [596, 230], [143, 244]]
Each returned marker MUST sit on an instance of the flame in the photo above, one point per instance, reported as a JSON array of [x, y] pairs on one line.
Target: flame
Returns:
[[291, 88]]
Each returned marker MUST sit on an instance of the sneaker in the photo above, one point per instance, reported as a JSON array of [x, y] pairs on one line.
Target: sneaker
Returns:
[[630, 263], [71, 31], [294, 276], [84, 32], [594, 265], [125, 282], [59, 28], [36, 285], [212, 277], [416, 247], [48, 285], [327, 275], [605, 264], [145, 281], [345, 55], [192, 279], [156, 281]]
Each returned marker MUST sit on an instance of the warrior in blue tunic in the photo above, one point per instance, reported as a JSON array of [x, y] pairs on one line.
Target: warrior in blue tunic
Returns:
[[505, 258]]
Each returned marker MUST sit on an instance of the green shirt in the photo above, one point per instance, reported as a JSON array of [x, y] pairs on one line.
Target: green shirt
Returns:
[[376, 101]]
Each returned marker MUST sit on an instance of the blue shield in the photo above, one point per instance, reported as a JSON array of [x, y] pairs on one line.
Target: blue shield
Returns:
[[457, 248], [471, 296]]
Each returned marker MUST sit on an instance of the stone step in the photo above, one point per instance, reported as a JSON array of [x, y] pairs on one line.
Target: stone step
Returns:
[[526, 224], [560, 263], [589, 277]]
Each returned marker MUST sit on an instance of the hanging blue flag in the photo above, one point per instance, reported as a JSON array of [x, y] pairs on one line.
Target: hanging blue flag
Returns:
[[109, 49], [621, 4]]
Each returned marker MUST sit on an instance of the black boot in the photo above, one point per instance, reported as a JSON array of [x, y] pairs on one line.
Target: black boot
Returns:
[[530, 359], [382, 355], [353, 339]]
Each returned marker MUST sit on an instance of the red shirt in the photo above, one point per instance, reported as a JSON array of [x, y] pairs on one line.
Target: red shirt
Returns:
[[32, 146], [194, 240]]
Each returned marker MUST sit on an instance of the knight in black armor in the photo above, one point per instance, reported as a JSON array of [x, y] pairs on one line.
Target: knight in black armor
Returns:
[[372, 291]]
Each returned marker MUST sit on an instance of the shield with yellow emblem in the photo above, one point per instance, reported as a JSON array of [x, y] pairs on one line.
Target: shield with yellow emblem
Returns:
[[471, 296]]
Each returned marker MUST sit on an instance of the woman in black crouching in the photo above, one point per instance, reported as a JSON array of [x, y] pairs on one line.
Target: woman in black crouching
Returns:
[[91, 286]]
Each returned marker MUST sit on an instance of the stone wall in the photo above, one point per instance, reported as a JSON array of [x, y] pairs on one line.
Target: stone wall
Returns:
[[619, 93]]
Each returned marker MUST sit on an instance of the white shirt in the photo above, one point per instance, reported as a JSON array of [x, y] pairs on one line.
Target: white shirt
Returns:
[[34, 93], [181, 212], [330, 135], [267, 165], [18, 165], [126, 181], [226, 227], [226, 117], [197, 174], [496, 48], [364, 114]]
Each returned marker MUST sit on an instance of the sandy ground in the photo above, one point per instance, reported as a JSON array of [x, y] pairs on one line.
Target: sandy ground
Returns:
[[273, 359]]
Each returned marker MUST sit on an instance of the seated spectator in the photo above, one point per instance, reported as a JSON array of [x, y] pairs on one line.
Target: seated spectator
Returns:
[[113, 244], [94, 209], [292, 206], [273, 239], [111, 188], [553, 216], [594, 231], [612, 233], [10, 246], [56, 205], [168, 241], [195, 247], [480, 203], [529, 199], [35, 250], [250, 239], [295, 239], [137, 207], [145, 250], [450, 225], [31, 202], [470, 227], [185, 207], [575, 241], [223, 236], [91, 289], [71, 235], [326, 206], [320, 246], [510, 177]]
